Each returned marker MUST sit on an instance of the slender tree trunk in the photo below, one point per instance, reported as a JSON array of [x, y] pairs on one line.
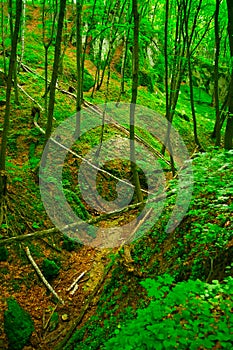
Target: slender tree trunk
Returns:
[[229, 126], [3, 38], [22, 35], [123, 65], [216, 88], [57, 55], [189, 38], [135, 72], [10, 9], [46, 80], [47, 42], [78, 65], [166, 60], [92, 21], [6, 123]]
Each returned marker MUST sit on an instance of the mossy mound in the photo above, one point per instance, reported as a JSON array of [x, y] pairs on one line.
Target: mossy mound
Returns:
[[18, 325], [3, 254], [50, 269]]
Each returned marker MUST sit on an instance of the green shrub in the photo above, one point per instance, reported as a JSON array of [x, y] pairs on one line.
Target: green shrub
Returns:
[[189, 315], [50, 269], [146, 79], [3, 254], [69, 244], [88, 81], [18, 325]]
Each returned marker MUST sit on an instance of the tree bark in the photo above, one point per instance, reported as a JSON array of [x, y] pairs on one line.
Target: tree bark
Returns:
[[6, 123], [55, 70], [135, 71], [216, 75], [78, 65], [47, 42], [229, 126]]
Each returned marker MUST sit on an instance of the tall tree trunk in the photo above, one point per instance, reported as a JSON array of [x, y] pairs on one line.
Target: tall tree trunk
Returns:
[[229, 126], [10, 10], [56, 61], [3, 38], [189, 38], [135, 72], [47, 42], [22, 35], [78, 64], [166, 60], [216, 75], [6, 123]]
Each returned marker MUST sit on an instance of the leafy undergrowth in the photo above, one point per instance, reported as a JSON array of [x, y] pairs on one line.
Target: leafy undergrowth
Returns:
[[187, 315]]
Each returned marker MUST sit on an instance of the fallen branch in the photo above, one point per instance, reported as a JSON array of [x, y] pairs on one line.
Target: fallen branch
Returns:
[[95, 109], [85, 160], [31, 98], [29, 235], [46, 283], [88, 222]]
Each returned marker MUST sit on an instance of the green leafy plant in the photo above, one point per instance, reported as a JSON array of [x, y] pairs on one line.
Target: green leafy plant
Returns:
[[186, 315]]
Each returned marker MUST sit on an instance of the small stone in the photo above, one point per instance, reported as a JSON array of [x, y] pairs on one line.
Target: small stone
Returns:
[[64, 317]]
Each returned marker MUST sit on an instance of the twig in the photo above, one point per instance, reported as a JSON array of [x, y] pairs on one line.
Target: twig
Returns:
[[49, 319], [76, 281], [50, 288], [74, 289]]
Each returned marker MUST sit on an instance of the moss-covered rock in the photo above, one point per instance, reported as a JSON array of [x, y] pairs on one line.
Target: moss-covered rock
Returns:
[[18, 325]]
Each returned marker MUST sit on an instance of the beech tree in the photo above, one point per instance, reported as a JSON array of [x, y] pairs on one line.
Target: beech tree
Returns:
[[6, 124], [78, 64], [216, 73], [229, 125], [49, 14], [57, 55], [135, 70]]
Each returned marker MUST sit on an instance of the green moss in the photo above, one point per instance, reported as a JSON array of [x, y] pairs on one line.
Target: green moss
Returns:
[[69, 244], [18, 325], [50, 269], [3, 254]]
